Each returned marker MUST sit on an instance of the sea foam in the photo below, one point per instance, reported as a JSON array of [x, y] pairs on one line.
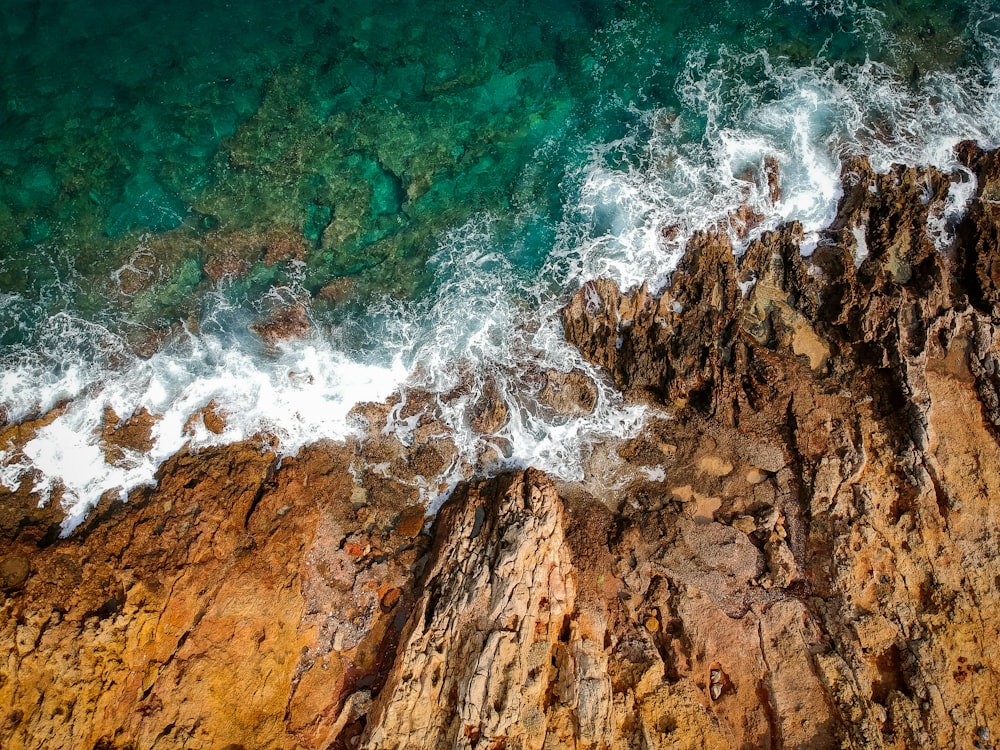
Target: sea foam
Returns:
[[629, 207]]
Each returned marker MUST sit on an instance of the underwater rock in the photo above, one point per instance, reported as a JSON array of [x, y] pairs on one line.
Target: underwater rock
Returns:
[[338, 291]]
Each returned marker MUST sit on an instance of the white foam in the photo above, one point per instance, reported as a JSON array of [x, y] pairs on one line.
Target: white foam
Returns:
[[861, 245], [483, 320], [300, 395], [653, 473]]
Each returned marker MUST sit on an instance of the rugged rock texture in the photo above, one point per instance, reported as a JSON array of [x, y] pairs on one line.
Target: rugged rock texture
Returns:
[[238, 604], [846, 418], [800, 550]]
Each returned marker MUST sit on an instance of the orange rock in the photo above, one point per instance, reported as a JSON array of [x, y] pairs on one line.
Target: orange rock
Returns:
[[120, 437]]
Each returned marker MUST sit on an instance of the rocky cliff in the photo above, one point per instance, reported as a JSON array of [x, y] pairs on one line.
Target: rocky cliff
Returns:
[[800, 549]]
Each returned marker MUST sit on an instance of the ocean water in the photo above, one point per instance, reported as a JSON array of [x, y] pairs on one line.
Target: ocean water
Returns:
[[427, 182]]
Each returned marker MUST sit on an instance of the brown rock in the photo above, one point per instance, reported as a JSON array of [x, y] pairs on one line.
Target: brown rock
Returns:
[[411, 521], [283, 324], [338, 291], [283, 245], [232, 254], [120, 438], [14, 571], [772, 176], [489, 413], [570, 393], [669, 345], [22, 512], [210, 415], [879, 381], [800, 550]]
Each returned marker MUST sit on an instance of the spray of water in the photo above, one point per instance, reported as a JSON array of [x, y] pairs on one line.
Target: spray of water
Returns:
[[629, 208]]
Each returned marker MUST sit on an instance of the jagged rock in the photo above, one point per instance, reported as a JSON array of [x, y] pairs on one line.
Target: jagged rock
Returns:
[[875, 368], [477, 654], [638, 337], [218, 607], [570, 393], [800, 550], [210, 416], [285, 323], [489, 413]]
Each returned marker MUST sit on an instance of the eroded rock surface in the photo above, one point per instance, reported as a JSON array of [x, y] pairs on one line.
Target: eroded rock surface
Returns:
[[845, 391], [799, 550]]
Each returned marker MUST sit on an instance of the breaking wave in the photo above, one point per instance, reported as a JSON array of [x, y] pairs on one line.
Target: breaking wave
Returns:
[[627, 207]]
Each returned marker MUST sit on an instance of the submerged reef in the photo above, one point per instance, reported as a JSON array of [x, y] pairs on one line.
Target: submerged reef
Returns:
[[800, 549]]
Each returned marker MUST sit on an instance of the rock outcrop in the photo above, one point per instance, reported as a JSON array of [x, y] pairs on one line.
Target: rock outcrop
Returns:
[[800, 549], [844, 413], [240, 603]]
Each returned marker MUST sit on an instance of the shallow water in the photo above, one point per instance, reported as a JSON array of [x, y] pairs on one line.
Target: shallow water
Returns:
[[431, 181]]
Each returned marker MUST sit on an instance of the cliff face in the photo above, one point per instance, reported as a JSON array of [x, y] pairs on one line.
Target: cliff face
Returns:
[[800, 550]]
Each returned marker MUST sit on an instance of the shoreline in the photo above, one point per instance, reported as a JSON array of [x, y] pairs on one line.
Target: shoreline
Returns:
[[798, 549]]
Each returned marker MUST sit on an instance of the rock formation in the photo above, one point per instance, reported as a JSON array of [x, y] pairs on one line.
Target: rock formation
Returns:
[[800, 549]]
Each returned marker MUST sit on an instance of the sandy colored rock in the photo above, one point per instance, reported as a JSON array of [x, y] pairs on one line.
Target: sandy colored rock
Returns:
[[714, 466]]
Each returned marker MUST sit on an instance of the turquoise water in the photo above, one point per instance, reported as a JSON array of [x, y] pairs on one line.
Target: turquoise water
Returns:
[[428, 179], [366, 134]]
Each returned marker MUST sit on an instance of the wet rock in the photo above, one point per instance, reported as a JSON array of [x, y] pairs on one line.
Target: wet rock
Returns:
[[571, 393], [283, 324], [670, 345], [232, 254], [489, 413], [122, 439], [772, 176], [23, 514], [210, 416], [283, 245], [338, 291]]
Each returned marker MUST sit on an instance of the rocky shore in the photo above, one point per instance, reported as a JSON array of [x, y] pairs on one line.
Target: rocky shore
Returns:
[[800, 550]]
